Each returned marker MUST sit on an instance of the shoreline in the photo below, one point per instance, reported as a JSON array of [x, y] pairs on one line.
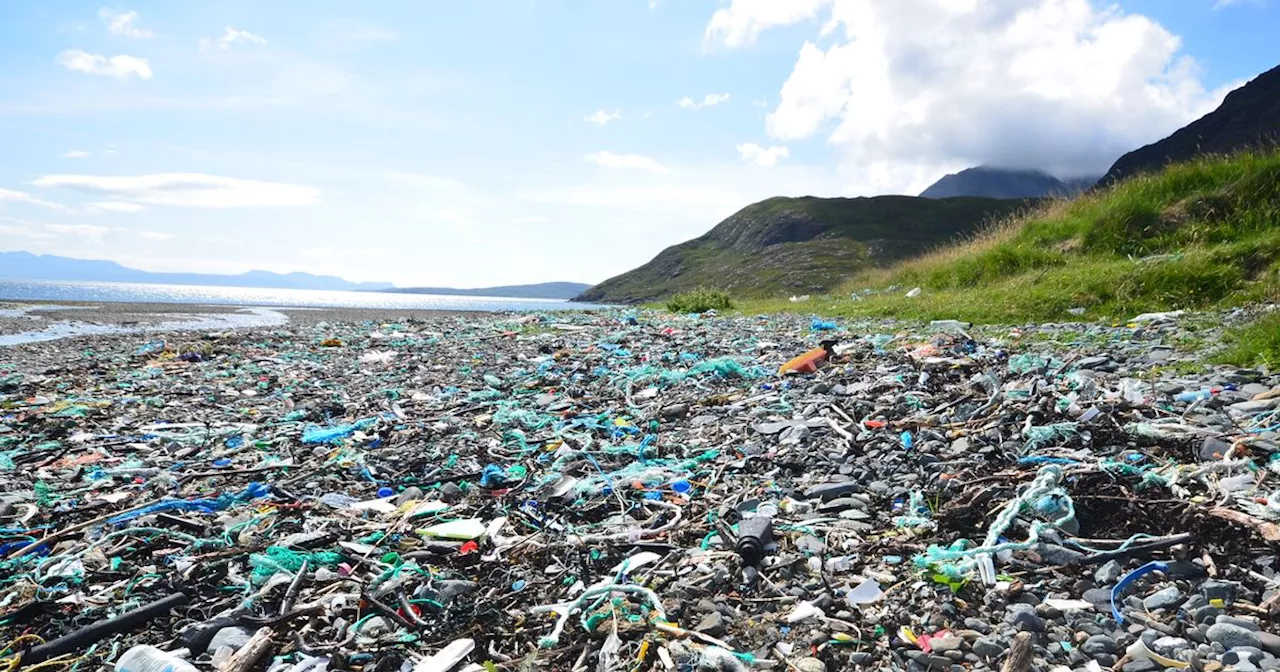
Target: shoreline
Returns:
[[26, 322]]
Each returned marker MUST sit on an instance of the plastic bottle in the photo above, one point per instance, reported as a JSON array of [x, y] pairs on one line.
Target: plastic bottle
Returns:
[[754, 535], [1197, 395], [145, 658]]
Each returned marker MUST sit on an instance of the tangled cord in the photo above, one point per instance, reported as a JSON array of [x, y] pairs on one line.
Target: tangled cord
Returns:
[[1044, 495]]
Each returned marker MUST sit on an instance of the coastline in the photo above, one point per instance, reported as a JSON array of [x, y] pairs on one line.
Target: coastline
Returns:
[[61, 323]]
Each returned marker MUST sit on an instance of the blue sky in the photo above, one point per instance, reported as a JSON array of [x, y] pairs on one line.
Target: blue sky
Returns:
[[493, 142]]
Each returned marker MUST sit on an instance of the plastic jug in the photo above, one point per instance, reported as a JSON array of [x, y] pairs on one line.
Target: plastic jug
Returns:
[[144, 658]]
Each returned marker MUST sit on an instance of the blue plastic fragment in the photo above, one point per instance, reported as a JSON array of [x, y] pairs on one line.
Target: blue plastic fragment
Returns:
[[1123, 584], [331, 434]]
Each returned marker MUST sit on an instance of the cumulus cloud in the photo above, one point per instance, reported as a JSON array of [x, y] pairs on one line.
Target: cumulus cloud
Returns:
[[75, 154], [708, 100], [189, 190], [121, 67], [11, 196], [765, 157], [122, 23], [742, 21], [628, 162], [602, 117], [154, 235], [913, 89], [232, 37]]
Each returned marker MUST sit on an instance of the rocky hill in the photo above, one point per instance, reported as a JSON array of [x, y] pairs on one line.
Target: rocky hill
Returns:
[[1248, 118], [802, 245], [992, 182]]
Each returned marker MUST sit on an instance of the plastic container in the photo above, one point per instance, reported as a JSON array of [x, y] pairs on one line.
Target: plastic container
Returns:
[[754, 535], [146, 658]]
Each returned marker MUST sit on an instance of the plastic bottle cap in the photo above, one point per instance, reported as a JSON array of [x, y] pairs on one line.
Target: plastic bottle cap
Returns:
[[385, 492], [681, 486]]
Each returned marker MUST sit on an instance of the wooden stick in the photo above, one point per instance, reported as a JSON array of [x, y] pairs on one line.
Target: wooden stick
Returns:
[[1019, 659], [1269, 531], [250, 653]]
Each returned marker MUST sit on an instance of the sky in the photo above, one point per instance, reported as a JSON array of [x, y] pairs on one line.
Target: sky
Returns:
[[489, 142]]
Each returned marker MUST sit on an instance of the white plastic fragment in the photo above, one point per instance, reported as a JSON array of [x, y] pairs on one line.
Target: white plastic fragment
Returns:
[[865, 593], [445, 659], [458, 530]]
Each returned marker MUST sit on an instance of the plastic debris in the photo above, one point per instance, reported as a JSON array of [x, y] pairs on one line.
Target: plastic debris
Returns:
[[633, 490]]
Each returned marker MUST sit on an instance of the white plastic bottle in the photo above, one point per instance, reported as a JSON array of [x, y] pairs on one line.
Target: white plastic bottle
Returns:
[[144, 658]]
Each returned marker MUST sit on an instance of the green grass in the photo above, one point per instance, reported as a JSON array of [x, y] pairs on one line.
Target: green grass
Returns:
[[807, 245], [700, 300], [1196, 235], [1254, 344]]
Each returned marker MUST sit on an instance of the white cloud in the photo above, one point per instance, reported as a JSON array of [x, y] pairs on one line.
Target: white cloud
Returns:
[[627, 161], [766, 157], [61, 235], [913, 89], [742, 21], [121, 23], [532, 220], [11, 196], [115, 66], [91, 232], [191, 190], [117, 206], [602, 117], [75, 154], [232, 36], [707, 101], [154, 235]]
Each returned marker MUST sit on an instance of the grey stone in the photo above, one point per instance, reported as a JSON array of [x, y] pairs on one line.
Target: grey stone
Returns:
[[1213, 589], [1026, 620], [711, 624], [1099, 644], [978, 624], [1140, 666], [1092, 362], [1243, 623], [1213, 449], [1231, 636], [1099, 597], [1167, 598], [1269, 643], [1205, 614], [1168, 646], [989, 647], [1108, 573]]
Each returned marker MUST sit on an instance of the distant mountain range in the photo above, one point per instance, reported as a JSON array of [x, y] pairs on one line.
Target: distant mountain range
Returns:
[[28, 266], [545, 290], [1249, 117], [990, 182], [803, 245]]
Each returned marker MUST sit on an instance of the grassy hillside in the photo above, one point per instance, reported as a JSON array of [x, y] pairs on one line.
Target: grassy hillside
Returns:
[[802, 245], [1198, 234]]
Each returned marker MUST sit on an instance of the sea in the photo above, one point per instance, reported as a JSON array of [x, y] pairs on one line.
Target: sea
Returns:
[[128, 292], [257, 304]]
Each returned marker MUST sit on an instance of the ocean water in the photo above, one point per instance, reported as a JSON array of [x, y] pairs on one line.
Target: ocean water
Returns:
[[46, 290]]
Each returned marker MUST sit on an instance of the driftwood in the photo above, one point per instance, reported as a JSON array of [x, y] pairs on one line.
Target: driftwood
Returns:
[[252, 651], [1019, 659], [1269, 531]]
